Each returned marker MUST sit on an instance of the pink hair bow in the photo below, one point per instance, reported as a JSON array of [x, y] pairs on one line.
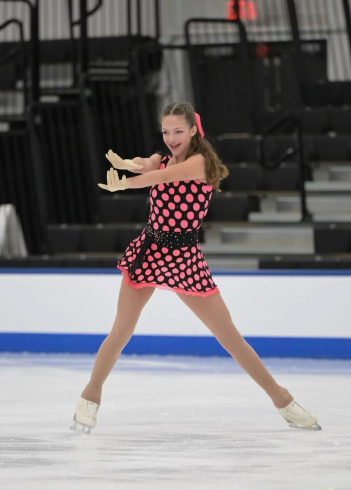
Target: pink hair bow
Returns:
[[198, 124]]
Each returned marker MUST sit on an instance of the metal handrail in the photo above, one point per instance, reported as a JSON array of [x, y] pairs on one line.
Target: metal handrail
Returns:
[[34, 42], [13, 21], [89, 13], [347, 12], [289, 118], [14, 52]]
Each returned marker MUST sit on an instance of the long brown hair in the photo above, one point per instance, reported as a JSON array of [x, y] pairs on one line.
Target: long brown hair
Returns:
[[214, 167]]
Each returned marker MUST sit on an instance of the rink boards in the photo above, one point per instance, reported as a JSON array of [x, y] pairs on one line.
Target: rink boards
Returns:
[[281, 314]]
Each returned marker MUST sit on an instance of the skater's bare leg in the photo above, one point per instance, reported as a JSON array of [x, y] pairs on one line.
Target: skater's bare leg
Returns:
[[130, 304], [213, 312]]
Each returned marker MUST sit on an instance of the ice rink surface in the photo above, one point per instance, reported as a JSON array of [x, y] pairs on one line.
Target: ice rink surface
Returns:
[[172, 423]]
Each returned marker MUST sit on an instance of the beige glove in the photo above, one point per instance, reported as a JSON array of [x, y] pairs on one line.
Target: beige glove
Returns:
[[121, 164], [114, 183]]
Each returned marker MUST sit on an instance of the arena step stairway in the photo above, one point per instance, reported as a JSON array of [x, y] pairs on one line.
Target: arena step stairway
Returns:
[[324, 208], [331, 171], [282, 239], [316, 204], [328, 199], [340, 173], [296, 218], [255, 239], [317, 187], [275, 217]]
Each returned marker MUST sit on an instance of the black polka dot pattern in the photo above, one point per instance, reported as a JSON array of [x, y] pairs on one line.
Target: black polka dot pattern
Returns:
[[176, 207]]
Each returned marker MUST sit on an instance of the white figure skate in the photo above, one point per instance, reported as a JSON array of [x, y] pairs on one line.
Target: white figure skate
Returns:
[[85, 416], [298, 417]]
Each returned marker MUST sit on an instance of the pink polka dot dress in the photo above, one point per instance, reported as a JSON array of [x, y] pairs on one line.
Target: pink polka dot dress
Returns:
[[167, 253]]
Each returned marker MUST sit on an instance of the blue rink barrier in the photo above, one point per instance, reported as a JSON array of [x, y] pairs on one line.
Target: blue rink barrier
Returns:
[[302, 347], [192, 345]]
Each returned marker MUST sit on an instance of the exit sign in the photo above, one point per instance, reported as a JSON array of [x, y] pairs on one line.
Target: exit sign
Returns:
[[246, 9]]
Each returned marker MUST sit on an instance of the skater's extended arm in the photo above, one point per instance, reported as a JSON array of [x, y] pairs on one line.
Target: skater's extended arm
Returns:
[[136, 165], [149, 164], [193, 168]]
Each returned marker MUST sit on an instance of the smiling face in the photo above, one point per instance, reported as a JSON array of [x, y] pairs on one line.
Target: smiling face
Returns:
[[177, 134]]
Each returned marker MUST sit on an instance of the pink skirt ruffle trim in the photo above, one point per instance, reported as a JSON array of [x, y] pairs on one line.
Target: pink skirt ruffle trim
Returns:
[[139, 285]]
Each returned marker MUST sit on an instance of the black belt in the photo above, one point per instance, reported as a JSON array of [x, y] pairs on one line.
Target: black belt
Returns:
[[169, 239]]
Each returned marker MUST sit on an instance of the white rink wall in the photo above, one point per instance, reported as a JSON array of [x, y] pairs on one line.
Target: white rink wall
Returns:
[[280, 309]]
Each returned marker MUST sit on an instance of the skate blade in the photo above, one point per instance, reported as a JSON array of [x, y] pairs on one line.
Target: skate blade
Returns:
[[84, 429], [296, 426]]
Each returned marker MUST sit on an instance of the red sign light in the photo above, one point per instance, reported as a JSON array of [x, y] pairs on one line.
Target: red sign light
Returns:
[[246, 8]]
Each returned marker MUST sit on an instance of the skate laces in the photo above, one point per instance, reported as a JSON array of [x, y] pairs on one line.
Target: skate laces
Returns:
[[90, 408], [297, 410]]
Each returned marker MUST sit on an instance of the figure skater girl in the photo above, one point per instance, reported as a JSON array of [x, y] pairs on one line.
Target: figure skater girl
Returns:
[[167, 255]]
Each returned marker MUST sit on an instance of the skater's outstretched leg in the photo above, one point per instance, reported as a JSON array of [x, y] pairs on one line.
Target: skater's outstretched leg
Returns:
[[130, 305], [213, 312]]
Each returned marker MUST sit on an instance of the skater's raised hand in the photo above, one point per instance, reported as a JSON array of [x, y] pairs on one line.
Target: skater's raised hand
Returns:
[[114, 183], [121, 164]]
